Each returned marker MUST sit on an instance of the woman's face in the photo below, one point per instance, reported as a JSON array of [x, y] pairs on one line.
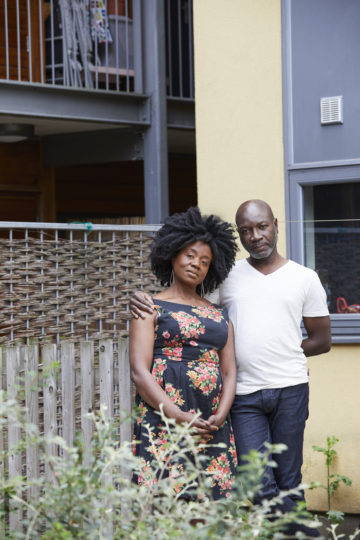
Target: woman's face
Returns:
[[192, 263]]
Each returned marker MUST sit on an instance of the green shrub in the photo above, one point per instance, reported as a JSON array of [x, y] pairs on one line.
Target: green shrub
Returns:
[[93, 497]]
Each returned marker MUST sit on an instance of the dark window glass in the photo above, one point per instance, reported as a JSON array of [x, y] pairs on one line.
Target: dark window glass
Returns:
[[332, 242]]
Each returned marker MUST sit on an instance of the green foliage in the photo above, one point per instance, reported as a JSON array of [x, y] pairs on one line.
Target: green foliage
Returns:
[[92, 497], [333, 481], [333, 533], [335, 516]]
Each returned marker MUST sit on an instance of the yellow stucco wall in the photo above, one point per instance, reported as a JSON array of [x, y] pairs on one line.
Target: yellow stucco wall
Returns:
[[238, 104], [238, 87], [334, 410]]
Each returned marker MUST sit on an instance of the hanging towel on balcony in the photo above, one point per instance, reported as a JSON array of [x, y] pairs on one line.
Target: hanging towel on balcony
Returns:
[[100, 31], [77, 42]]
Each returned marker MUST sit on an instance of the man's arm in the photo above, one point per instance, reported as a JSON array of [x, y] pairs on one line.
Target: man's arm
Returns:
[[319, 335]]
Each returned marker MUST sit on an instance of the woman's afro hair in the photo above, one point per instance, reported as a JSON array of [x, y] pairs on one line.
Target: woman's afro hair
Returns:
[[180, 230]]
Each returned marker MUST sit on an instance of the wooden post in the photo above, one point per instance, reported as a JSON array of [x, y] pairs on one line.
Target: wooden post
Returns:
[[2, 469], [125, 400], [30, 355], [13, 365], [49, 389], [87, 390], [68, 391], [106, 375]]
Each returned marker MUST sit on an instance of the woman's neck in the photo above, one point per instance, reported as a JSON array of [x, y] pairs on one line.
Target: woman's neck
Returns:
[[182, 295]]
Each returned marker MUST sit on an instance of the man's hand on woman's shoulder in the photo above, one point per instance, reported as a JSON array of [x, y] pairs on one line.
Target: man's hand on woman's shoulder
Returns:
[[141, 303]]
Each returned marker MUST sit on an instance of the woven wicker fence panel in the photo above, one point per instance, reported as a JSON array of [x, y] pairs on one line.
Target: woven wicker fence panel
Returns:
[[71, 289]]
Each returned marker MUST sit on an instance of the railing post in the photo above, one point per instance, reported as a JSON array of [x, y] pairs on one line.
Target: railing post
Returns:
[[138, 47]]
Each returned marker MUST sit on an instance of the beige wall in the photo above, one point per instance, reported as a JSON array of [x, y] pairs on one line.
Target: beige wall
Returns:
[[238, 76], [238, 104], [334, 410]]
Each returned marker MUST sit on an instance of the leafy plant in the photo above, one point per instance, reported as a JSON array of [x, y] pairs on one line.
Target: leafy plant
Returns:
[[92, 495], [333, 533], [333, 479]]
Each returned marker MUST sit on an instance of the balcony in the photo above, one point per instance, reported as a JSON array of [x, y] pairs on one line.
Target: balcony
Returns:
[[91, 44], [101, 82]]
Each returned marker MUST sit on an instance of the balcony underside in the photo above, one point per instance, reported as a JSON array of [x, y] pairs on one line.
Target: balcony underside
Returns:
[[84, 126]]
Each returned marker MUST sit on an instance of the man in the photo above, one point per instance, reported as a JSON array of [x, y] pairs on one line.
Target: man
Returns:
[[267, 297]]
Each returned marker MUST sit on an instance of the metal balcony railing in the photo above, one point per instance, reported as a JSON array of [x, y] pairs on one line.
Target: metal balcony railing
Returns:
[[179, 48], [90, 44]]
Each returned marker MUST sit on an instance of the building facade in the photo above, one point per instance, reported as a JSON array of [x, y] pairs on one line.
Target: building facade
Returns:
[[97, 110]]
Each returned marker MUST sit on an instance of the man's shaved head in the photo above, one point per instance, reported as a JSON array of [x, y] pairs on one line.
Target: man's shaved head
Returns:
[[253, 203]]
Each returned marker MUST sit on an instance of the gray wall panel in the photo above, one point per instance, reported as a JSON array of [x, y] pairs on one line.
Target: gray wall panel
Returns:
[[325, 37]]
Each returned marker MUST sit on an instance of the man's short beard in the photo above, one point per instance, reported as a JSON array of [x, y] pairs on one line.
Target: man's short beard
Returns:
[[268, 252]]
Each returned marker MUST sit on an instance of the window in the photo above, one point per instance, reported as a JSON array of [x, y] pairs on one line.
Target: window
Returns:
[[332, 242], [325, 236]]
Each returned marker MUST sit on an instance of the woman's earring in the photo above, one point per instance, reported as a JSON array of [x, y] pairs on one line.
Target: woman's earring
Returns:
[[171, 277], [202, 289]]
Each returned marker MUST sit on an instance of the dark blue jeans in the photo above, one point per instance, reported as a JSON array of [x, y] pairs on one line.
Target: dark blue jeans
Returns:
[[275, 415]]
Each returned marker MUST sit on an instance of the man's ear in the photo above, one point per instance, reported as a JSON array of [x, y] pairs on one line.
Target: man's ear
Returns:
[[276, 224]]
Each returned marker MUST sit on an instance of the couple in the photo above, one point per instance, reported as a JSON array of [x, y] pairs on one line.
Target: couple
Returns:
[[264, 299]]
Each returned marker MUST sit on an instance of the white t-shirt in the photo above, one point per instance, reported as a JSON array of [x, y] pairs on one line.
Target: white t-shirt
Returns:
[[266, 311]]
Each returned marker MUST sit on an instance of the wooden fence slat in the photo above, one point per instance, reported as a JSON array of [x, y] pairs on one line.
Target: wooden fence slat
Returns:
[[2, 468], [14, 359], [13, 366], [106, 375], [68, 391], [49, 391], [87, 390], [125, 400], [31, 364]]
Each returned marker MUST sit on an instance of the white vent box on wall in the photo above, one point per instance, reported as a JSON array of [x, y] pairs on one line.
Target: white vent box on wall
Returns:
[[331, 109]]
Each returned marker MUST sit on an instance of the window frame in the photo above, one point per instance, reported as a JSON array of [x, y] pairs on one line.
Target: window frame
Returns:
[[345, 327]]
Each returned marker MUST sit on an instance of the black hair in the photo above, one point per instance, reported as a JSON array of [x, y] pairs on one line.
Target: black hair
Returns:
[[180, 230]]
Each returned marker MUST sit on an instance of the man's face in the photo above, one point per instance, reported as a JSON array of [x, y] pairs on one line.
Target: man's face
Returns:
[[257, 230]]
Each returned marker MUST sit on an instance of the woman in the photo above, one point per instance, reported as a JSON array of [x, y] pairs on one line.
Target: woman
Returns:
[[190, 366]]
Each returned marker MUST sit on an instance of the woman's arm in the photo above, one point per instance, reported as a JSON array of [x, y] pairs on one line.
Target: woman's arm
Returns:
[[228, 370], [141, 356]]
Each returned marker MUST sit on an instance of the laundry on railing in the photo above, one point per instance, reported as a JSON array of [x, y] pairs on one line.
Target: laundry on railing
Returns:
[[99, 22]]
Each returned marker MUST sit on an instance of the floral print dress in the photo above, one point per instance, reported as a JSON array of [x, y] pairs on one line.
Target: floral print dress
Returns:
[[186, 365]]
